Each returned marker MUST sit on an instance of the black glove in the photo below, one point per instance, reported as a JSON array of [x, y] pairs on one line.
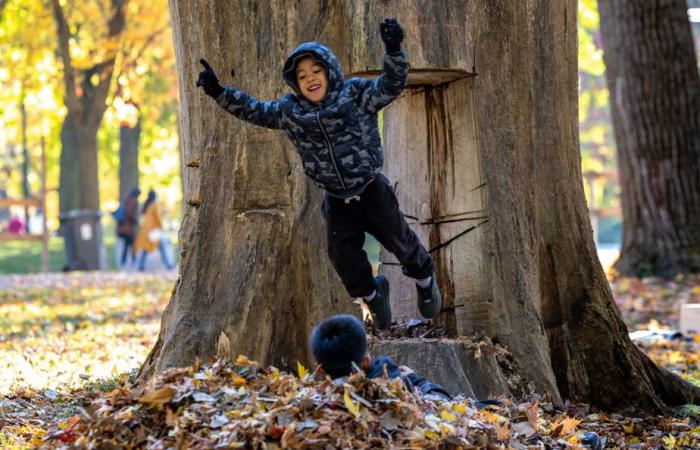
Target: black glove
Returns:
[[208, 80], [392, 35]]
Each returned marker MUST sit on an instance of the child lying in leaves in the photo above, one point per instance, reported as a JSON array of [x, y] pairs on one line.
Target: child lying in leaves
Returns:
[[339, 344]]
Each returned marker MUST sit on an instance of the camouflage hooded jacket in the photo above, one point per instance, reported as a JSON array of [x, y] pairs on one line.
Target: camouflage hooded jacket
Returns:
[[337, 139]]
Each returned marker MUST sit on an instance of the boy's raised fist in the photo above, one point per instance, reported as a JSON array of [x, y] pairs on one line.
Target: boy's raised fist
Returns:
[[392, 35], [209, 81]]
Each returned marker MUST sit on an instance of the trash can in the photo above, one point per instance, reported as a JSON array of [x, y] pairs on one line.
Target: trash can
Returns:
[[82, 237]]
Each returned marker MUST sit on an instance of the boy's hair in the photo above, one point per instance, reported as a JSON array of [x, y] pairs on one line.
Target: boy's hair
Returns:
[[337, 342]]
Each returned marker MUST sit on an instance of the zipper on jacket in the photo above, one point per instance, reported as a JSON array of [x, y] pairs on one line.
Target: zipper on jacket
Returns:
[[331, 151]]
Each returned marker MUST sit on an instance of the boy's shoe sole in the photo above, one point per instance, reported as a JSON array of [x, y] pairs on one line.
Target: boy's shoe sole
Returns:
[[380, 307], [429, 300]]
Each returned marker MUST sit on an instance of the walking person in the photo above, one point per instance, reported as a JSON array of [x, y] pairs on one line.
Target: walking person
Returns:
[[150, 236], [127, 224]]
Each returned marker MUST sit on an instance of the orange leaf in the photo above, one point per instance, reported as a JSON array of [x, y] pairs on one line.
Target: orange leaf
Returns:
[[160, 396], [532, 413]]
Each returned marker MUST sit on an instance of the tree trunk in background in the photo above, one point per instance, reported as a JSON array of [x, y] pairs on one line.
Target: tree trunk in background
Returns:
[[654, 89], [253, 268], [3, 3], [128, 158], [68, 188], [26, 192], [86, 103]]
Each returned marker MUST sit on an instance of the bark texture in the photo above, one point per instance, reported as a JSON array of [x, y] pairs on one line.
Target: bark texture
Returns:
[[254, 271], [498, 150], [536, 285], [654, 89], [461, 367], [85, 94]]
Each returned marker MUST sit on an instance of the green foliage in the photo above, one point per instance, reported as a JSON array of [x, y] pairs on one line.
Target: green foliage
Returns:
[[31, 72], [595, 125]]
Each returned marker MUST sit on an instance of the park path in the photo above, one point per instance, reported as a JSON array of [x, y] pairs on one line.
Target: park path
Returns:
[[79, 279]]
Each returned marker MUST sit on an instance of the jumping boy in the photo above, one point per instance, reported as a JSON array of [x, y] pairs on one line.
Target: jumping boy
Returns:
[[332, 122], [341, 341]]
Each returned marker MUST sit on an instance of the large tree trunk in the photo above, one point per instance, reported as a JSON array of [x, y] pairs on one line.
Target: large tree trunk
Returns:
[[128, 158], [253, 267], [654, 89], [489, 127]]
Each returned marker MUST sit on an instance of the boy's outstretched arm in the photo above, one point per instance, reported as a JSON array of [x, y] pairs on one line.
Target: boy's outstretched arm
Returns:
[[238, 103], [376, 94]]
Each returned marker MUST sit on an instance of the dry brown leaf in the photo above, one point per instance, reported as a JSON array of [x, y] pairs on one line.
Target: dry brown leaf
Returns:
[[158, 396]]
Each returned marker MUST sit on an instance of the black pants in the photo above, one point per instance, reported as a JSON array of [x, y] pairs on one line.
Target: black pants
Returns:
[[377, 213], [128, 244]]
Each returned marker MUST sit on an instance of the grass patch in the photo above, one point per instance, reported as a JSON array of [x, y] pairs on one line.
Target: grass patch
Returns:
[[25, 256]]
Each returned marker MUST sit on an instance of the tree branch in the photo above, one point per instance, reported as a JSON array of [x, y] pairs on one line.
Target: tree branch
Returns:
[[132, 62], [72, 100], [105, 69]]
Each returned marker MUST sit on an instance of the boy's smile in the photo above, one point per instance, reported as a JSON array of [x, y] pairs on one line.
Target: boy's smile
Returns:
[[312, 79]]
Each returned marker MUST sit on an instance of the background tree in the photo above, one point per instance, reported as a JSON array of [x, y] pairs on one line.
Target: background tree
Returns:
[[86, 86], [25, 49], [144, 74], [146, 56], [654, 86], [259, 286]]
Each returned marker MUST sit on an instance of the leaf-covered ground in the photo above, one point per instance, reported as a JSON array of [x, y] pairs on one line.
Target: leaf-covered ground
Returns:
[[69, 343]]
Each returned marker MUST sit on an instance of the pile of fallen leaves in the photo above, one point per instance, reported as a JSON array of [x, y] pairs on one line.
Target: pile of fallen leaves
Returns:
[[240, 405]]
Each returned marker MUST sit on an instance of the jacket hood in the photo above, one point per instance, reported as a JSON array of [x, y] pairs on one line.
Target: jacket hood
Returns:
[[322, 54]]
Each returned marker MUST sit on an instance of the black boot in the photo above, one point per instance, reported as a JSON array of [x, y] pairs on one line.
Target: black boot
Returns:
[[429, 299], [379, 306]]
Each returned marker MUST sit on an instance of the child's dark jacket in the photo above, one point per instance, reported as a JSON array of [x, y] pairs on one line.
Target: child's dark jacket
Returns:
[[412, 380], [338, 139]]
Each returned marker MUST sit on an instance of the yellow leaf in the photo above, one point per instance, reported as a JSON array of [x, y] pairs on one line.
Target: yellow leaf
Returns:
[[568, 426], [162, 395], [242, 360], [669, 441], [431, 435], [629, 429], [276, 373], [239, 381], [675, 357], [301, 370], [447, 416], [353, 407], [459, 408]]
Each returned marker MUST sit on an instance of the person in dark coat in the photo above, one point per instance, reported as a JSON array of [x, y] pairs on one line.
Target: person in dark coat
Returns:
[[332, 122], [127, 226], [339, 345]]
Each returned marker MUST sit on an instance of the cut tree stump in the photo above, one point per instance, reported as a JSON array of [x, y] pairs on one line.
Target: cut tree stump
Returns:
[[474, 369]]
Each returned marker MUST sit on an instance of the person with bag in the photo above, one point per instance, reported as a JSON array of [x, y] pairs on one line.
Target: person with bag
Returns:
[[150, 235], [127, 217]]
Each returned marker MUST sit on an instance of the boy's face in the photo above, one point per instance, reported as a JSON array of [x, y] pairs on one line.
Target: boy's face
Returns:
[[312, 80]]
